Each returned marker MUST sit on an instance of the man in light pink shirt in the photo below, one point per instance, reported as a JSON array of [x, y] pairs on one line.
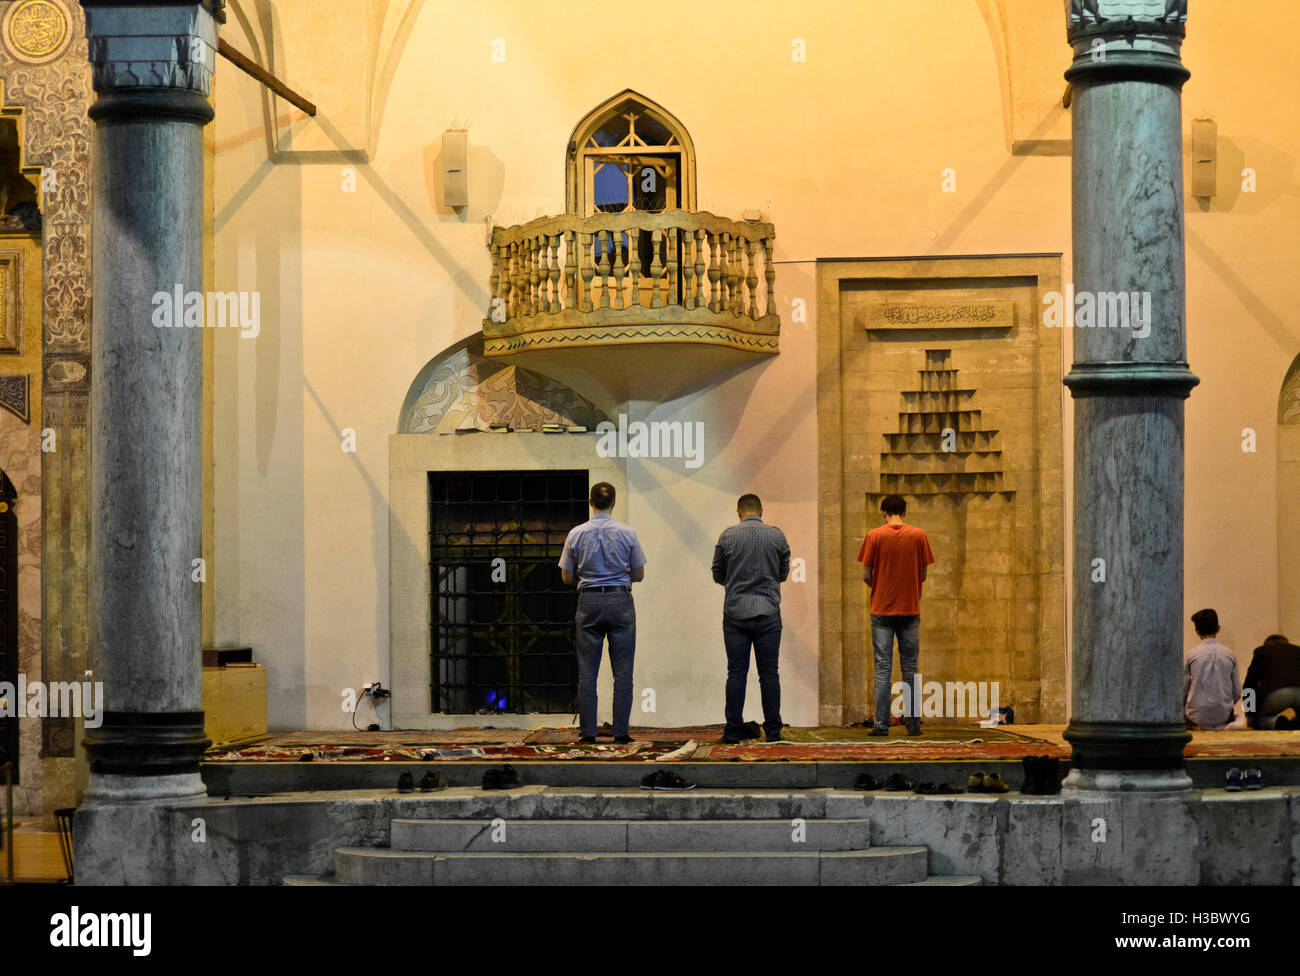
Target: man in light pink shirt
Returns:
[[1210, 685]]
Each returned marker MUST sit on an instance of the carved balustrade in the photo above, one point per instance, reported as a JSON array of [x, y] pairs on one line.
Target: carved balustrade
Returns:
[[678, 276]]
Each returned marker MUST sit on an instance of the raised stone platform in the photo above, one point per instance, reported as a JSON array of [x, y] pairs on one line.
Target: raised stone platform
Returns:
[[1204, 837]]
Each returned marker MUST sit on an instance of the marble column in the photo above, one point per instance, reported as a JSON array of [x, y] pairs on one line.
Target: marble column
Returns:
[[1129, 382], [152, 66]]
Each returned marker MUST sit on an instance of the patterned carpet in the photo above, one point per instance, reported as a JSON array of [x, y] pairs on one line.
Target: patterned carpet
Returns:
[[825, 744]]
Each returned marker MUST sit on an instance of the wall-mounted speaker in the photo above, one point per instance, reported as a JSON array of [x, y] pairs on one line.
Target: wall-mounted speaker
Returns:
[[1205, 156], [455, 172]]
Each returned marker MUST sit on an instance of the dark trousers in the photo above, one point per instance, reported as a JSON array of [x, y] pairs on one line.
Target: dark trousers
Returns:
[[764, 635], [602, 615], [1265, 716]]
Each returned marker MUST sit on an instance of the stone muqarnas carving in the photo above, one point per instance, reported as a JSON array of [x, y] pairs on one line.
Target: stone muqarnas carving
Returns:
[[1086, 13]]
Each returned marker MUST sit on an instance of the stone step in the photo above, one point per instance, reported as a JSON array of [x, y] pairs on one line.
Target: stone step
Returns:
[[887, 866], [933, 881], [648, 836], [570, 803]]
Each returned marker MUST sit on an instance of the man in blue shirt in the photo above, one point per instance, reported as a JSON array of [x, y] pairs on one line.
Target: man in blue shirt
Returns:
[[604, 558], [752, 560]]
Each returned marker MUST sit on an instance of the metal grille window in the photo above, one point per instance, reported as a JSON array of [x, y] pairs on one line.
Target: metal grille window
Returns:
[[502, 616]]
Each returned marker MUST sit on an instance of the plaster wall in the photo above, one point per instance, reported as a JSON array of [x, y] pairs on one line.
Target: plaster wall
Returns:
[[364, 278]]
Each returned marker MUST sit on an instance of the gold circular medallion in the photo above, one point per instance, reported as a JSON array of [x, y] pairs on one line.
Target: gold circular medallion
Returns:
[[37, 31]]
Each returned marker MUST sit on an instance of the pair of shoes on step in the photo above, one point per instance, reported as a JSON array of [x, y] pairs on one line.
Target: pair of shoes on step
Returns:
[[665, 779], [1251, 779], [938, 789], [1042, 776], [505, 778], [429, 783], [986, 783]]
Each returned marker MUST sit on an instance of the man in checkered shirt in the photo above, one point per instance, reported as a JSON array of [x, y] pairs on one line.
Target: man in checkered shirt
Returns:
[[752, 560]]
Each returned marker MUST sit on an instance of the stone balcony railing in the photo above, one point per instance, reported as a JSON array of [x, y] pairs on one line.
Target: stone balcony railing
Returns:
[[677, 277]]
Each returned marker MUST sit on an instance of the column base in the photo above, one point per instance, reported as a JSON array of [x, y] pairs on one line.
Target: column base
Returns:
[[146, 744], [1164, 781], [1142, 757], [112, 788]]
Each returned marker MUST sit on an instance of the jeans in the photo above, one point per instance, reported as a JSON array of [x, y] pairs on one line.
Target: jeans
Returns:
[[602, 615], [764, 634], [883, 631]]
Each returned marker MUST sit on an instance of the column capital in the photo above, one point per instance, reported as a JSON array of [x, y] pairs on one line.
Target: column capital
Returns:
[[160, 44], [1122, 40], [1124, 16]]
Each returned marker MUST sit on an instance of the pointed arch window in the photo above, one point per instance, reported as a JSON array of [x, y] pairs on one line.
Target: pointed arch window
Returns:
[[630, 154]]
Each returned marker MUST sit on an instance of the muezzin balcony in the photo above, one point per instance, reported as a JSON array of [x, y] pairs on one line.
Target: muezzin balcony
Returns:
[[632, 294]]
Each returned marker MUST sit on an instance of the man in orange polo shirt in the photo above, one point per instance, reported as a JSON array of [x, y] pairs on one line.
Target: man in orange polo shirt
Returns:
[[894, 557]]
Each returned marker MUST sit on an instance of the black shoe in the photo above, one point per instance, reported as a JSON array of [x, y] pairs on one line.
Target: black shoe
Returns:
[[777, 738], [623, 740], [914, 726], [729, 741], [405, 783], [1033, 782], [1049, 775], [588, 740], [432, 782], [897, 783], [927, 789], [879, 730], [504, 778], [663, 779], [752, 730], [866, 781]]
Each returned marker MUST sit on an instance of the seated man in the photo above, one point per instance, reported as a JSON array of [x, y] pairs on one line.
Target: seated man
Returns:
[[1210, 688], [1274, 676]]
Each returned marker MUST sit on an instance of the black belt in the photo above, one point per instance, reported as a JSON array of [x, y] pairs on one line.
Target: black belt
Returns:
[[605, 589]]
